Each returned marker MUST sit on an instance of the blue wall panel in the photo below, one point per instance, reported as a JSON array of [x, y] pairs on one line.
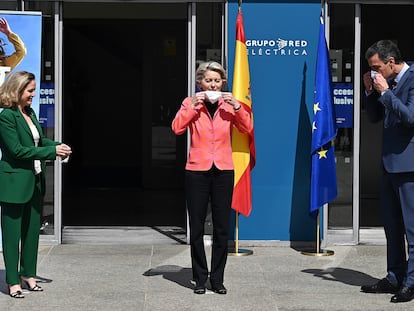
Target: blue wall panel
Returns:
[[282, 83]]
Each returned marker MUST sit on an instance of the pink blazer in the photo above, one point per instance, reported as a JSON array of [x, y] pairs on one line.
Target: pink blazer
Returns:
[[210, 137]]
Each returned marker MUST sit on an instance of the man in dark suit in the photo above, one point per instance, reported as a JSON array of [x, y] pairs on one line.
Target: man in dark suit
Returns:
[[389, 96]]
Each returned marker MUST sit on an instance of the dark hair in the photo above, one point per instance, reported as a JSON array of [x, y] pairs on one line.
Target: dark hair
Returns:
[[385, 49]]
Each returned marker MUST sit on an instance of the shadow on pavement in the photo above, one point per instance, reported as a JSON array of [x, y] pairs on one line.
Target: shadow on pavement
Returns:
[[346, 276], [173, 273]]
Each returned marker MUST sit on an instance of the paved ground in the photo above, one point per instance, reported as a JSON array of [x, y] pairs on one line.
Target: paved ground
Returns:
[[157, 277]]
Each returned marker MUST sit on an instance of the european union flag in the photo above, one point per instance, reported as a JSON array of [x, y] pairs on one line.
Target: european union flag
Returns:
[[323, 178]]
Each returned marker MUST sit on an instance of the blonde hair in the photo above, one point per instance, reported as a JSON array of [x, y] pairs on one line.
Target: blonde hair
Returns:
[[12, 88], [209, 66]]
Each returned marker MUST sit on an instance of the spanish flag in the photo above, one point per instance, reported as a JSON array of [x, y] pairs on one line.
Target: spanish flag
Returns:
[[244, 153]]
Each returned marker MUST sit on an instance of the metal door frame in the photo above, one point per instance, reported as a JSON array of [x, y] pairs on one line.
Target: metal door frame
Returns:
[[349, 236]]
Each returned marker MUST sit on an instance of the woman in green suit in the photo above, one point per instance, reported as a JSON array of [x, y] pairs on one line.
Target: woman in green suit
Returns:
[[22, 179]]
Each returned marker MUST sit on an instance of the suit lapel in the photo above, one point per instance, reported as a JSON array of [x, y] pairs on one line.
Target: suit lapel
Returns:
[[21, 121], [22, 124], [34, 120], [408, 73]]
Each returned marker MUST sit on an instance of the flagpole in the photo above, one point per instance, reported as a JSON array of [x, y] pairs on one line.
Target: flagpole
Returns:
[[323, 8], [323, 175], [318, 231], [240, 91], [237, 233], [236, 251], [318, 251]]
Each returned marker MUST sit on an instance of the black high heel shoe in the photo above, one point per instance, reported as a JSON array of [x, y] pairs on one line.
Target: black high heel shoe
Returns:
[[17, 294], [200, 289], [15, 291], [35, 288]]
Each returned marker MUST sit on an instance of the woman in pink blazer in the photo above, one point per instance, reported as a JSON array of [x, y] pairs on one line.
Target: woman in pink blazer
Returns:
[[210, 116]]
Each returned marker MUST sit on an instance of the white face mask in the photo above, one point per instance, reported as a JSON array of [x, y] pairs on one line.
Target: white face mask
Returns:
[[213, 96]]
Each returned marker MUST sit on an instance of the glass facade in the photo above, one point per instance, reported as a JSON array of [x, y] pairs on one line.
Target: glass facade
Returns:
[[46, 81], [146, 186], [158, 73]]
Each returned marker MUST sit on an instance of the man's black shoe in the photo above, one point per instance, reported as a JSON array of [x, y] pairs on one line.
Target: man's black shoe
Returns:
[[219, 289], [382, 287], [404, 294]]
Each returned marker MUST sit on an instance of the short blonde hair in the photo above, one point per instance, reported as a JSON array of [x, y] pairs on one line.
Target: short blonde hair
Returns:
[[12, 88], [209, 66]]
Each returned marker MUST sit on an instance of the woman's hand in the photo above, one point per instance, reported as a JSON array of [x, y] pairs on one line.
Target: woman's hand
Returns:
[[229, 99], [198, 99], [63, 151], [4, 26]]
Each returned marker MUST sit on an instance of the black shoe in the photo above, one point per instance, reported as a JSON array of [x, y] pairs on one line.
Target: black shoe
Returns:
[[35, 288], [404, 294], [382, 287], [200, 289], [17, 294], [219, 289]]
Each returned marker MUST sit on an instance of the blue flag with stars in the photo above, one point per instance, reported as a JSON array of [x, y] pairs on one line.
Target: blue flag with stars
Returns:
[[323, 178]]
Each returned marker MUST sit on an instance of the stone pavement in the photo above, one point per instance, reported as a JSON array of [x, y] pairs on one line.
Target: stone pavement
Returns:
[[157, 277]]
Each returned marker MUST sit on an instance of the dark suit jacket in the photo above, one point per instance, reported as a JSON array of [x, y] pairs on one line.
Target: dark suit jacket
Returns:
[[17, 177], [396, 108]]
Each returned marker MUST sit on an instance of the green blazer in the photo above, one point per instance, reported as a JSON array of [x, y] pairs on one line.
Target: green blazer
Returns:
[[17, 176]]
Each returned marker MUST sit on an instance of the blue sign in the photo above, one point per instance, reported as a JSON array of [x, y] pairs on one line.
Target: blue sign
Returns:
[[343, 97], [281, 42], [47, 104]]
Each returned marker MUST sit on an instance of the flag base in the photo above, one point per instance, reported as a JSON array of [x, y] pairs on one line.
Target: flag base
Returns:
[[322, 252], [240, 252]]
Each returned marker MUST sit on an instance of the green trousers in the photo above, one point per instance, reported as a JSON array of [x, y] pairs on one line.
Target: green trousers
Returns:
[[20, 226]]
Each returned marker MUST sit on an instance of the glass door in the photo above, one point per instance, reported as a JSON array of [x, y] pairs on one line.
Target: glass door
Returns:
[[370, 223], [341, 224], [354, 216], [206, 43]]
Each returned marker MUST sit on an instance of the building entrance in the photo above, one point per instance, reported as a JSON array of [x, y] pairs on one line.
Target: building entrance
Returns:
[[371, 134], [353, 28], [122, 87]]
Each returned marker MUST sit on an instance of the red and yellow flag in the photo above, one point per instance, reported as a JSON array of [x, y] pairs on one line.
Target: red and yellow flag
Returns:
[[244, 153]]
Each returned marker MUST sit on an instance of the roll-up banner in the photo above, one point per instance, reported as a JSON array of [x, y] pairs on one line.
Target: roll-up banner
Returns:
[[21, 49]]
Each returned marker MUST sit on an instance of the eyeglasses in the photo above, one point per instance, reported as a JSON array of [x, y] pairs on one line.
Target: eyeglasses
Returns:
[[213, 80]]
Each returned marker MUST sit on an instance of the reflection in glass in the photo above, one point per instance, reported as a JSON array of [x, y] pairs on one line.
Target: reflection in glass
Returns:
[[342, 67]]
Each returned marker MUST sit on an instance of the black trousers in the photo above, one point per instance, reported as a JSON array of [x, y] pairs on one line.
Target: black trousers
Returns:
[[202, 186]]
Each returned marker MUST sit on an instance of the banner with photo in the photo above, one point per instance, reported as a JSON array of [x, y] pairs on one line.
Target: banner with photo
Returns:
[[21, 48]]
